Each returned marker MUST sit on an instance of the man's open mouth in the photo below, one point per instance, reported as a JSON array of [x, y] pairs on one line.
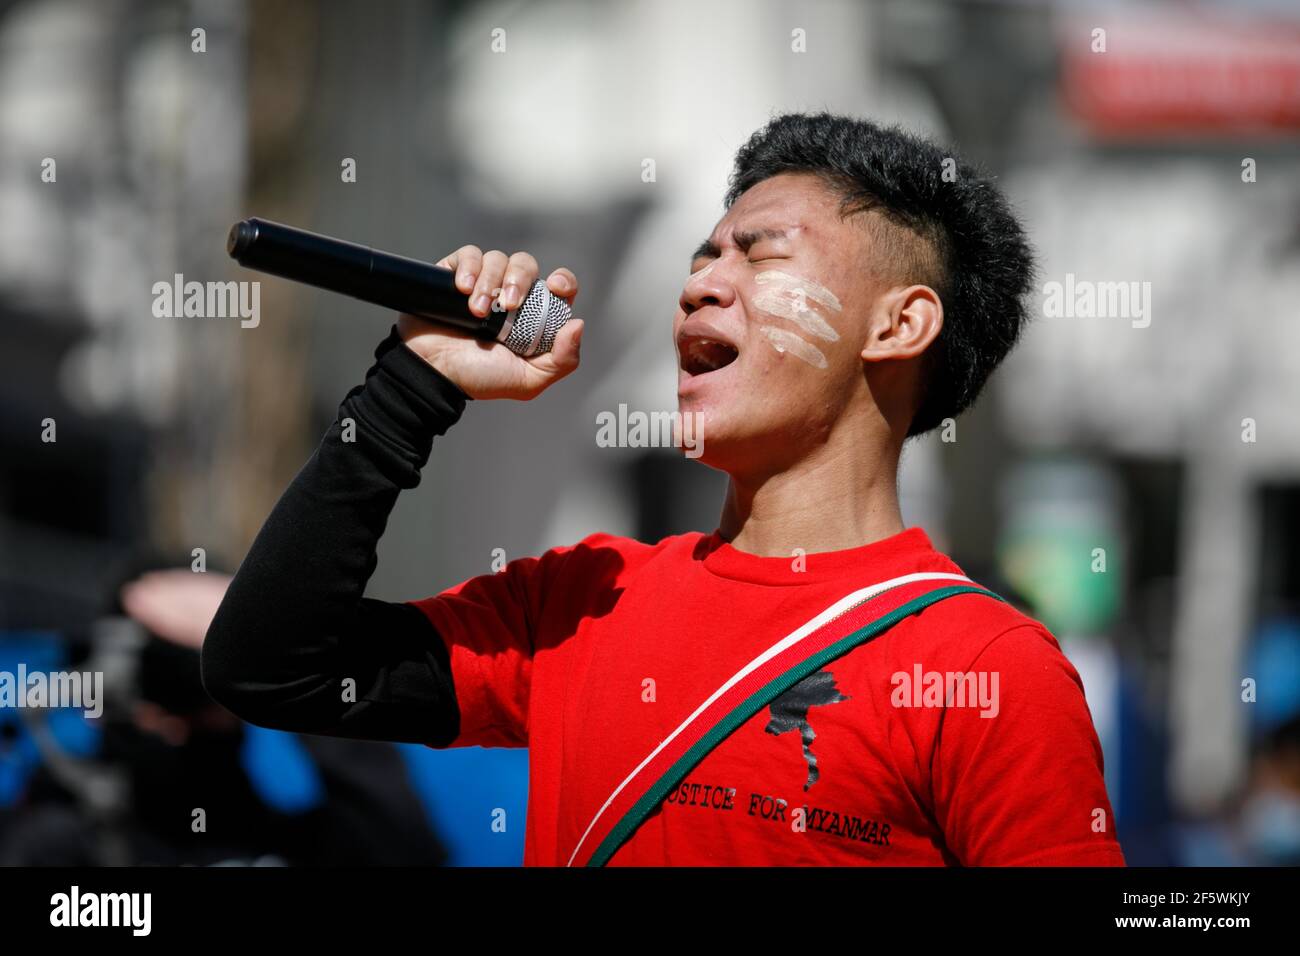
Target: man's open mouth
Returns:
[[699, 356]]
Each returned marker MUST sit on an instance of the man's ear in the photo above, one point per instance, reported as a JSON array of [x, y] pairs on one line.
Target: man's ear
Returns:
[[904, 323]]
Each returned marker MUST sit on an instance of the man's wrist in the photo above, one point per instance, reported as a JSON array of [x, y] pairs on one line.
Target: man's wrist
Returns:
[[420, 371]]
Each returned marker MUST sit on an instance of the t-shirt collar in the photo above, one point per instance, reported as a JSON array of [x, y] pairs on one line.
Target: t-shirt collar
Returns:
[[720, 558]]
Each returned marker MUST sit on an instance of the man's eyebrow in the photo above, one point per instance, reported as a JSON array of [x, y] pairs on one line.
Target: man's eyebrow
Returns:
[[744, 238], [708, 249]]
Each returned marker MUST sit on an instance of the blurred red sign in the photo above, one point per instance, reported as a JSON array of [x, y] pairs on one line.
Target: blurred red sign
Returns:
[[1158, 75]]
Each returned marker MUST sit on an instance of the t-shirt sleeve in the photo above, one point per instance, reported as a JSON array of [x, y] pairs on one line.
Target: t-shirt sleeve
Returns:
[[1023, 786], [488, 625]]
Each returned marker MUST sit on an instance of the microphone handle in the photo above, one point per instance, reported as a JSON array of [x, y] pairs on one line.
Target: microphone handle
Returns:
[[381, 278]]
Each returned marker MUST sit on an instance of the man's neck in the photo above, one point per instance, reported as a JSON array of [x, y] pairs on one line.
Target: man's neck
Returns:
[[833, 500]]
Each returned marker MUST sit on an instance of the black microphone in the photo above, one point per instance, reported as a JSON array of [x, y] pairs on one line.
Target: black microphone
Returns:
[[395, 282]]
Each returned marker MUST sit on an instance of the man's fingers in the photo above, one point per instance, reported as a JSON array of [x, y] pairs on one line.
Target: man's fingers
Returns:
[[489, 280], [466, 262], [564, 283], [568, 345], [521, 272], [481, 276]]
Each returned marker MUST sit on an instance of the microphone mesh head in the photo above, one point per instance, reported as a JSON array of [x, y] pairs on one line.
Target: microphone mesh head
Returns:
[[537, 321]]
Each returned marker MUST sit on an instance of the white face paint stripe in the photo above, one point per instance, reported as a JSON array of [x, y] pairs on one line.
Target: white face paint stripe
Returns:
[[844, 604], [796, 310], [784, 341], [787, 282], [796, 299]]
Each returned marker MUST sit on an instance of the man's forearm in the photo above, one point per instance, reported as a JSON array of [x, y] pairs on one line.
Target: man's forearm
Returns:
[[294, 626]]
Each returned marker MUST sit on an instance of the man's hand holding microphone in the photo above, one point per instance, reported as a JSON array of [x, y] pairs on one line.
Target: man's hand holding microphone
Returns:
[[486, 370]]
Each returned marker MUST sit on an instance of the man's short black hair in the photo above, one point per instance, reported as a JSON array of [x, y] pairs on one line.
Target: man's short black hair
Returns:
[[956, 234]]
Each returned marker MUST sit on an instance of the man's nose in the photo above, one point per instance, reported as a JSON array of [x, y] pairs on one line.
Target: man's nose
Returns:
[[709, 286]]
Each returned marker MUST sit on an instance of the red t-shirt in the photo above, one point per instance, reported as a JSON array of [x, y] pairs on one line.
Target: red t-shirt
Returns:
[[591, 655]]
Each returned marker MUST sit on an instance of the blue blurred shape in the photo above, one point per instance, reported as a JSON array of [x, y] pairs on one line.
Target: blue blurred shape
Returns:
[[74, 732], [281, 771], [1275, 665], [468, 789], [40, 651]]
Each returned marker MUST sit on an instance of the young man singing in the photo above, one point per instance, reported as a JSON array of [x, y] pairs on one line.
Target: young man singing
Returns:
[[812, 683]]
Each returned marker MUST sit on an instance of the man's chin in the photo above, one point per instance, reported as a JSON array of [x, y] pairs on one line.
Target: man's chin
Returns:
[[709, 434]]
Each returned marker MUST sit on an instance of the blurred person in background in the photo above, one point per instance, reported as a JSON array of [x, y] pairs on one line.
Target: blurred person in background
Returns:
[[168, 752]]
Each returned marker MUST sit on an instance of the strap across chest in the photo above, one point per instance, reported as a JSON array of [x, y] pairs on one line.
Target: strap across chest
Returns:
[[853, 620]]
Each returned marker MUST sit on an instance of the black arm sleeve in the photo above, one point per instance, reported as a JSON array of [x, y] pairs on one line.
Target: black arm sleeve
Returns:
[[294, 627]]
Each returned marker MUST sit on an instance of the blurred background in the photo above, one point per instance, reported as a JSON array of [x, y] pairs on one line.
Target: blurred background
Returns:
[[1135, 484]]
